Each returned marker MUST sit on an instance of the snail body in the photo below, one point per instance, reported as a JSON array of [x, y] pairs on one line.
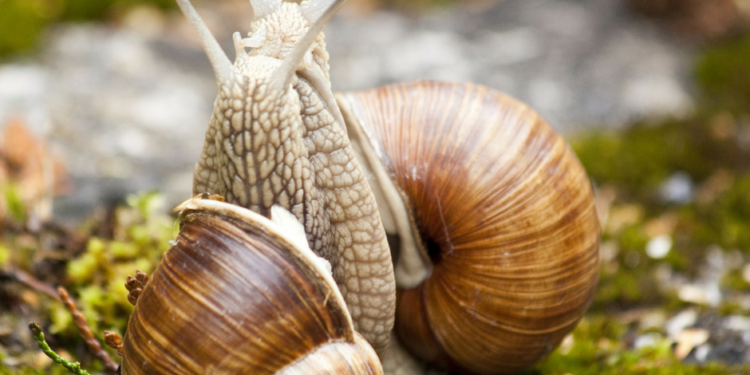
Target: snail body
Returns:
[[241, 294], [275, 138]]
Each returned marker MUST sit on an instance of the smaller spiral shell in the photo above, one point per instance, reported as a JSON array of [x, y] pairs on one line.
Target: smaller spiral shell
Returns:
[[238, 295]]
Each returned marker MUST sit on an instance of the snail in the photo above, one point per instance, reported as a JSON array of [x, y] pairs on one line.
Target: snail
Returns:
[[499, 257], [273, 139], [495, 236], [239, 293]]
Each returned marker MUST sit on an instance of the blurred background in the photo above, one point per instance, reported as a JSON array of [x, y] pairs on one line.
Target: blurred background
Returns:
[[103, 105], [123, 92]]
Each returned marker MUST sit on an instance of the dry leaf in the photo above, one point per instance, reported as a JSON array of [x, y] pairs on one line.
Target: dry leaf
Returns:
[[27, 164]]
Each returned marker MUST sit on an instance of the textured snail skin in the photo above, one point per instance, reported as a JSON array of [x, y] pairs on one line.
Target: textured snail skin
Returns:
[[234, 296], [265, 147], [505, 211]]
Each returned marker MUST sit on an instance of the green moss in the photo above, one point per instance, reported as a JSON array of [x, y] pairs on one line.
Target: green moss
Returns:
[[641, 157], [98, 275], [634, 162], [4, 255], [726, 222], [733, 280], [597, 348], [724, 75], [95, 278], [32, 371], [13, 202], [84, 267], [22, 22], [610, 158]]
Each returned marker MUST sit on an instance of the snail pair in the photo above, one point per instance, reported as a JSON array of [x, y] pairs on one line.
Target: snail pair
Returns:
[[491, 220]]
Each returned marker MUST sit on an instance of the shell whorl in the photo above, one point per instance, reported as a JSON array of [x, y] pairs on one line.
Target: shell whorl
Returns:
[[234, 295], [504, 211]]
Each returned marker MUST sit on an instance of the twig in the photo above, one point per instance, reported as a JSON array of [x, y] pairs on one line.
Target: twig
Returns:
[[30, 281], [74, 368], [91, 342]]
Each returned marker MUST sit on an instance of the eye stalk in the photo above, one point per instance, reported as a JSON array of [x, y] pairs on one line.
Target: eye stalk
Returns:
[[219, 61]]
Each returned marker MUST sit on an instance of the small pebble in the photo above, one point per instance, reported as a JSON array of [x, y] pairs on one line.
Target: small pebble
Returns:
[[647, 340], [715, 258], [689, 339], [567, 344], [653, 319], [678, 188], [701, 353], [700, 294], [679, 322], [746, 273], [608, 251], [659, 246], [737, 323]]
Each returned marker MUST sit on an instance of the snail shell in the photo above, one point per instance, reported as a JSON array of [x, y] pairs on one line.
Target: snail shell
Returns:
[[237, 294], [500, 213]]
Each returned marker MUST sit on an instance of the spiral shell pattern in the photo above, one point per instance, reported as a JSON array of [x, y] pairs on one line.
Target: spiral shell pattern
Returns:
[[233, 296], [505, 212]]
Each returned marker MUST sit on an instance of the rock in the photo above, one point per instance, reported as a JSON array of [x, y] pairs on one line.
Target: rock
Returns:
[[678, 188], [679, 322], [658, 247], [702, 294], [689, 339], [737, 323], [647, 340]]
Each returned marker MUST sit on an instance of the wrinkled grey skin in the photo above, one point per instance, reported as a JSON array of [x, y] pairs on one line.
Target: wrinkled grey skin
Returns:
[[272, 144]]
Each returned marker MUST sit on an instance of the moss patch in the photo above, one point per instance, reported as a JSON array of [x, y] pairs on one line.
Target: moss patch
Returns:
[[22, 22], [708, 229]]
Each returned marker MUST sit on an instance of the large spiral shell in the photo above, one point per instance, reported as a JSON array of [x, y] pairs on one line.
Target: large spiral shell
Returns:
[[236, 296], [505, 212]]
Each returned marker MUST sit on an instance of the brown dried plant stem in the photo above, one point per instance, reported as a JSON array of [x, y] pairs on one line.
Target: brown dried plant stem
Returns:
[[30, 281], [91, 342]]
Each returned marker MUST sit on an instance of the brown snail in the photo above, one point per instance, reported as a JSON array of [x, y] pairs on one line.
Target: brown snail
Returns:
[[498, 253], [504, 259], [273, 139], [241, 294]]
